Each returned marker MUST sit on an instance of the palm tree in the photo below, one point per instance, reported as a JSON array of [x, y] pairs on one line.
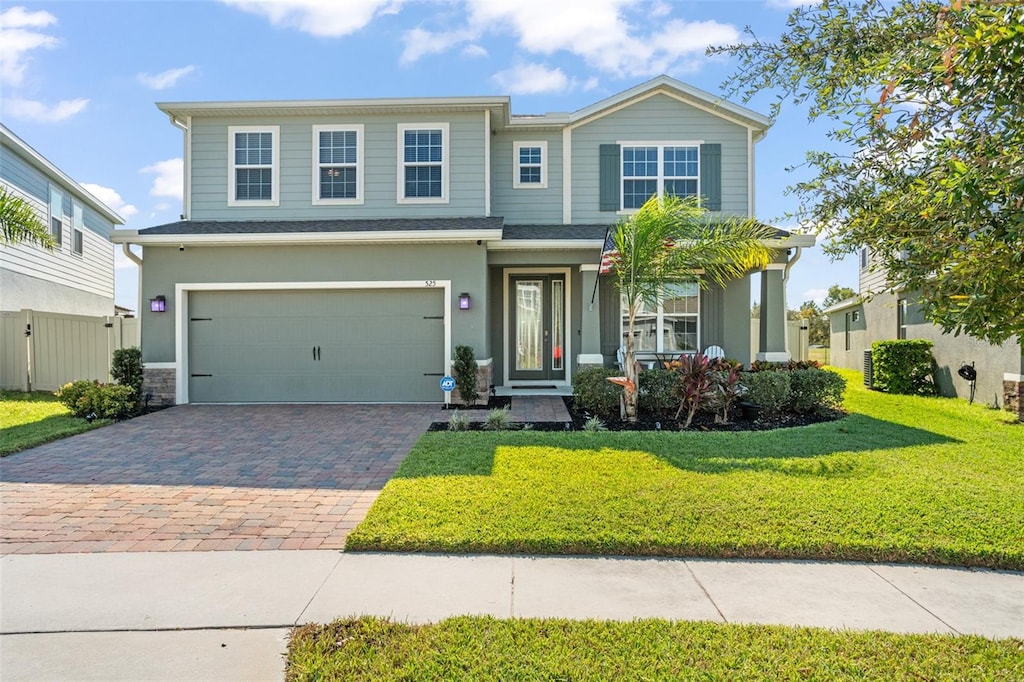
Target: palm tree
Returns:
[[19, 222], [672, 240]]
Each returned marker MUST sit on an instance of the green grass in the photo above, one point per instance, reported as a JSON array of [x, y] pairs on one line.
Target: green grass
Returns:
[[31, 419], [484, 648], [902, 479]]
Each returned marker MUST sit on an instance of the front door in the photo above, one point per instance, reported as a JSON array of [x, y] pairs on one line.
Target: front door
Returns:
[[537, 334]]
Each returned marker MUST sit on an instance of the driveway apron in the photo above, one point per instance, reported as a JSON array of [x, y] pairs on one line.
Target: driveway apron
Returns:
[[208, 477]]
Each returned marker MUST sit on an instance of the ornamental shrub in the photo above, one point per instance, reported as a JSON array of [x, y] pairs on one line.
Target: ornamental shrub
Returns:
[[656, 391], [695, 382], [113, 401], [768, 389], [593, 393], [904, 366], [815, 390], [464, 371], [126, 368], [71, 395]]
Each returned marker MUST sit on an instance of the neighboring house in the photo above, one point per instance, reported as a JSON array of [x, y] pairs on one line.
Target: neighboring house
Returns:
[[78, 276], [338, 250], [879, 314]]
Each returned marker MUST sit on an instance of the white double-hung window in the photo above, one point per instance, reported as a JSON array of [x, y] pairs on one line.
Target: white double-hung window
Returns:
[[658, 168], [672, 326], [423, 163], [338, 164], [77, 230], [254, 166], [530, 165]]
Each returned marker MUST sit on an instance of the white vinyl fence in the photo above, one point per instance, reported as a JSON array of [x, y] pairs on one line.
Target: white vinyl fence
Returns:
[[797, 339], [43, 351]]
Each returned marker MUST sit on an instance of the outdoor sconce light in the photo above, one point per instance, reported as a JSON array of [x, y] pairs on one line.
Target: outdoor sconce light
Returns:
[[464, 301], [158, 304]]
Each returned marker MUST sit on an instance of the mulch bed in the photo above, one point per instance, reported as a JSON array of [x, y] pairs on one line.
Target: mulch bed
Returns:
[[702, 421]]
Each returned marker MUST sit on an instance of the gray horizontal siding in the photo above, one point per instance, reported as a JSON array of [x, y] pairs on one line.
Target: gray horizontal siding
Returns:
[[380, 150], [659, 119], [15, 170], [523, 205]]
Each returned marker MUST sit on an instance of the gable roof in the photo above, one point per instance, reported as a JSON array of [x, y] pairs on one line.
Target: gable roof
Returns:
[[8, 138]]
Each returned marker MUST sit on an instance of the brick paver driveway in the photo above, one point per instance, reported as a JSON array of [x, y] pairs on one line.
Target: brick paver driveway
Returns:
[[217, 477]]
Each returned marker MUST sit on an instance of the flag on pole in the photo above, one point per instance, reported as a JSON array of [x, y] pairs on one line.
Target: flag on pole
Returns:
[[609, 254]]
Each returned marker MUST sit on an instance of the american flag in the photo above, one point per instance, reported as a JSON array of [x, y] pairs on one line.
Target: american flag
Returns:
[[609, 255]]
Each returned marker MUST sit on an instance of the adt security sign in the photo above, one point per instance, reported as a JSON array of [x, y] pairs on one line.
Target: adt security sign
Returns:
[[447, 384]]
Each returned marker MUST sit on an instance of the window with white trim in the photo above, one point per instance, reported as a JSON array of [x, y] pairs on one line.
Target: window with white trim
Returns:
[[338, 164], [901, 318], [659, 169], [673, 326], [423, 163], [78, 236], [254, 168], [56, 214], [529, 161]]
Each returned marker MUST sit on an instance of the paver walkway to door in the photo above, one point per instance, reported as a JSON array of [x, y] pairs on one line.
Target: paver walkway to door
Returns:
[[208, 477]]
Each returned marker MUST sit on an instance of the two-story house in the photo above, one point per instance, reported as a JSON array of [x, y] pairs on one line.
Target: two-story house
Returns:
[[338, 250], [77, 277], [880, 314]]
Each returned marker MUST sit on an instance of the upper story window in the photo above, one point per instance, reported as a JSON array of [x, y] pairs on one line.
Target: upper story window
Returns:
[[864, 258], [423, 163], [659, 169], [78, 236], [56, 214], [337, 164], [530, 165], [670, 327], [254, 170]]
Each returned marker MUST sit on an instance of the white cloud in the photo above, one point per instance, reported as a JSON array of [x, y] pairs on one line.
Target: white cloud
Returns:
[[165, 79], [595, 30], [816, 295], [420, 43], [19, 35], [531, 79], [169, 180], [474, 50], [31, 110], [324, 18], [111, 198]]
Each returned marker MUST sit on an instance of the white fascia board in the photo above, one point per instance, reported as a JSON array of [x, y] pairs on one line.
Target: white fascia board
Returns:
[[327, 106], [41, 162], [545, 244], [843, 305], [792, 240], [308, 237]]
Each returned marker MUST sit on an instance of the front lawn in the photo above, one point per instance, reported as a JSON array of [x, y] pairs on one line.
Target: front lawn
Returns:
[[484, 648], [902, 479], [31, 419]]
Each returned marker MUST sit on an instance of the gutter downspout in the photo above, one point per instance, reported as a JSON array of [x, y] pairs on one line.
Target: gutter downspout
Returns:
[[186, 201], [785, 304], [130, 255]]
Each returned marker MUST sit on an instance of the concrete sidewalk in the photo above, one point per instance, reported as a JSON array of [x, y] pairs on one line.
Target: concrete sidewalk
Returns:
[[225, 615]]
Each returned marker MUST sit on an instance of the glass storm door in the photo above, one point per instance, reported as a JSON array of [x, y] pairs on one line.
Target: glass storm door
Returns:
[[537, 334]]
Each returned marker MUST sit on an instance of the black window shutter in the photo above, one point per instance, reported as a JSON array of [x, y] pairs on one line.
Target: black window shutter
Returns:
[[711, 176], [609, 177]]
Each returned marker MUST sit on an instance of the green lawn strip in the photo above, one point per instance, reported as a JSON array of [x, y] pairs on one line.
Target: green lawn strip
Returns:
[[903, 479], [31, 419], [485, 648]]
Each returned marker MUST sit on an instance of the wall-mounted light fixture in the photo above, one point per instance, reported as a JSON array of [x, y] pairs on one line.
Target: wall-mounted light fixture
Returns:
[[464, 301], [158, 304]]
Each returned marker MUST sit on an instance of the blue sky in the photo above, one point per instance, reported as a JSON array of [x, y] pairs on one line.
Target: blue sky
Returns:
[[79, 79]]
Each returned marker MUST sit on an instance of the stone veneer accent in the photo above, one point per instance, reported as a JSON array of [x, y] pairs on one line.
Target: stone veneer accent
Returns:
[[159, 382], [484, 379], [1013, 394]]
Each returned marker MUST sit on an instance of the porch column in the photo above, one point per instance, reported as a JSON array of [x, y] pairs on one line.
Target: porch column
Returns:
[[1013, 386], [590, 330], [771, 345]]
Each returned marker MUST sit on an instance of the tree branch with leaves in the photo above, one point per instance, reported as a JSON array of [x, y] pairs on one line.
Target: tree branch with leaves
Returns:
[[926, 101], [20, 223]]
